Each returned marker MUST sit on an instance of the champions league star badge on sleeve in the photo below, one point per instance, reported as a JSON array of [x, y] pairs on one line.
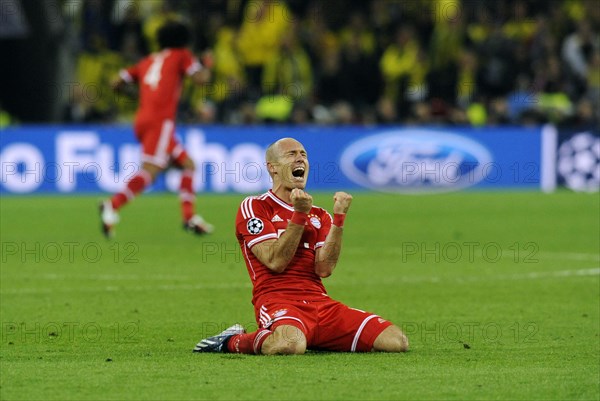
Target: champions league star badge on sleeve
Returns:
[[255, 226]]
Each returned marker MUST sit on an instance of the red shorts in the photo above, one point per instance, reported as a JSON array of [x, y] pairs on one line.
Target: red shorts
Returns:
[[159, 144], [327, 324]]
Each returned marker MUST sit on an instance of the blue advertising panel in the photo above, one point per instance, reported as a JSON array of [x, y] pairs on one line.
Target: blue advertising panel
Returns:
[[80, 159]]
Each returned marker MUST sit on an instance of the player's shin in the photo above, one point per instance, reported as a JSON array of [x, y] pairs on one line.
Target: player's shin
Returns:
[[186, 194], [248, 343], [136, 185]]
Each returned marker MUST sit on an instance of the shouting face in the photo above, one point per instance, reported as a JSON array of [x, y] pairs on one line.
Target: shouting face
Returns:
[[288, 164]]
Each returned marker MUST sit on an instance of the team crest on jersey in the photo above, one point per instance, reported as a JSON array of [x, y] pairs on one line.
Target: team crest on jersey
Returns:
[[314, 220], [279, 313], [255, 226]]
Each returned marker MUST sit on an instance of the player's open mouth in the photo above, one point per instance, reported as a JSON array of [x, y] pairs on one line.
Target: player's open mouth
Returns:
[[298, 172]]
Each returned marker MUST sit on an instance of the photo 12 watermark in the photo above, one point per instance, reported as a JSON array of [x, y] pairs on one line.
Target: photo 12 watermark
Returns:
[[471, 333], [69, 332], [53, 252], [469, 252]]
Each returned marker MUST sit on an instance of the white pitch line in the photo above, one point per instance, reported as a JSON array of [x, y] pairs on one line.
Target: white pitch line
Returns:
[[506, 253], [571, 256], [114, 288], [538, 275], [565, 273], [418, 279], [103, 277], [472, 279]]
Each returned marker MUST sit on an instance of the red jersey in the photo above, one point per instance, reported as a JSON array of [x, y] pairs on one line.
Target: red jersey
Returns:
[[159, 77], [265, 217]]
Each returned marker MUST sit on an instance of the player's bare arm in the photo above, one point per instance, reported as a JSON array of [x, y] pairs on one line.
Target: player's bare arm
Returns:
[[277, 254], [124, 87], [118, 84], [327, 256], [201, 77], [204, 75]]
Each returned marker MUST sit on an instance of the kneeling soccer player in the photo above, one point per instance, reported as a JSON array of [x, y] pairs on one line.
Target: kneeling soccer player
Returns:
[[289, 245]]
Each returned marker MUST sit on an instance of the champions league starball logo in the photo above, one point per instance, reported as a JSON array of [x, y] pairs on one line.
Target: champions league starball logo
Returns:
[[255, 226], [579, 162]]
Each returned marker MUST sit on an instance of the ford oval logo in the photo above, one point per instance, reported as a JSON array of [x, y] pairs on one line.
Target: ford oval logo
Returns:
[[416, 161]]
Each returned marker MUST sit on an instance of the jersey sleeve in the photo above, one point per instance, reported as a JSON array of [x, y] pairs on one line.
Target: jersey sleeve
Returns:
[[253, 222], [326, 222], [130, 74], [189, 63]]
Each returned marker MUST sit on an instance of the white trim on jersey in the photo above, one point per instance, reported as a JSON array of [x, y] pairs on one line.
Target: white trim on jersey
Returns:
[[187, 197], [128, 194], [246, 208], [288, 318], [261, 239], [163, 141], [249, 261], [319, 244], [125, 76], [160, 157], [359, 332], [279, 201], [193, 68], [157, 161], [265, 319], [257, 340], [177, 151]]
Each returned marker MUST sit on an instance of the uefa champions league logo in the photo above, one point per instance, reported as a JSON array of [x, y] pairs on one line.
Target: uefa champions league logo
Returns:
[[579, 162], [255, 226]]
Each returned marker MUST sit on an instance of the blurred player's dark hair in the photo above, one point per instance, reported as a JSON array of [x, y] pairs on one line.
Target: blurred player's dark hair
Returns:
[[173, 34]]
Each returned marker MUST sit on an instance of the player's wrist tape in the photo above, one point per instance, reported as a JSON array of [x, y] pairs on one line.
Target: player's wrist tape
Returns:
[[338, 219], [299, 218]]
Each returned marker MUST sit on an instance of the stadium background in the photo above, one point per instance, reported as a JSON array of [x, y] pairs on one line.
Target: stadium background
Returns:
[[363, 64], [359, 62], [496, 286]]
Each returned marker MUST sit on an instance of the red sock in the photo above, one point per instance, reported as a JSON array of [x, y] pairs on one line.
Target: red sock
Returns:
[[248, 343], [136, 185], [186, 194]]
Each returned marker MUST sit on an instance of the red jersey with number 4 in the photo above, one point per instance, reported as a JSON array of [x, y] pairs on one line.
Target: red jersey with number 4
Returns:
[[159, 77], [266, 217]]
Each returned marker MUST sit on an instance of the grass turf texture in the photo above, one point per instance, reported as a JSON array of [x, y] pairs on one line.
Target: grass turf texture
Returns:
[[498, 292]]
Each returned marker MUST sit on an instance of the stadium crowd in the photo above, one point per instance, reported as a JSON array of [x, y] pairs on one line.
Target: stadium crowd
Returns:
[[477, 62]]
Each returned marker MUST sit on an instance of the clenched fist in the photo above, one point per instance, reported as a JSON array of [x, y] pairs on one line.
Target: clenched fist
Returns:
[[301, 201], [342, 202]]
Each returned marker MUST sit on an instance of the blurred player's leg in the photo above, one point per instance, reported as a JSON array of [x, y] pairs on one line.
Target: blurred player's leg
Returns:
[[186, 194], [191, 222], [109, 218], [109, 209], [137, 184]]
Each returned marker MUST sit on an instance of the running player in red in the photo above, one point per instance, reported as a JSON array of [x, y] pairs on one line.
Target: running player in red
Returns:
[[289, 245], [159, 77]]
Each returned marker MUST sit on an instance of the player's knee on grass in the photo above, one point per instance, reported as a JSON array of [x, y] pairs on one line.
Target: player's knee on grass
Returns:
[[392, 339], [285, 340]]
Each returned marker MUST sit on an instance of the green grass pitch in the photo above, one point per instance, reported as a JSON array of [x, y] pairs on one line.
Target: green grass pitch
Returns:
[[499, 294]]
